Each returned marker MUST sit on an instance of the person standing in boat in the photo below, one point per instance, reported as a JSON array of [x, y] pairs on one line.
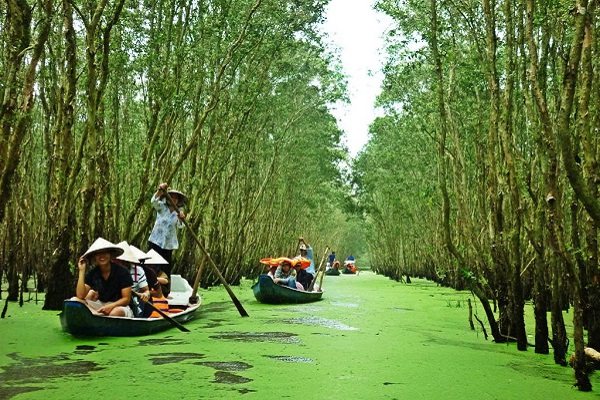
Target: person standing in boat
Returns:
[[305, 276], [107, 286], [163, 238]]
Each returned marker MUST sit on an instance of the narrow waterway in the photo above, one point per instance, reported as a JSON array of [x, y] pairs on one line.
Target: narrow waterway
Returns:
[[369, 338]]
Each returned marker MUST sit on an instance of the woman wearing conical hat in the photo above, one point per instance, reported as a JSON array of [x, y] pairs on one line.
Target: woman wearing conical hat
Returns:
[[163, 238], [110, 282], [131, 260]]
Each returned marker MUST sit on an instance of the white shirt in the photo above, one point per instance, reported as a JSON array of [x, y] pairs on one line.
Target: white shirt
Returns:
[[164, 232]]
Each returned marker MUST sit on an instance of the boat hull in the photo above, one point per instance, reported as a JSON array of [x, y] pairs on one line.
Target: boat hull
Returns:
[[77, 319], [267, 291]]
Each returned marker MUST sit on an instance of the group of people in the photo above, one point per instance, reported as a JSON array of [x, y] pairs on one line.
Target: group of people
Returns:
[[349, 263], [124, 279], [297, 272]]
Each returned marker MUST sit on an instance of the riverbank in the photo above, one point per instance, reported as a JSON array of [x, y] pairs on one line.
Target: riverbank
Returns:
[[369, 338]]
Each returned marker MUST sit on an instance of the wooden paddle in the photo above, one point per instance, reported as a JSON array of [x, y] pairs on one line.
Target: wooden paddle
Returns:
[[237, 303], [165, 316], [312, 283]]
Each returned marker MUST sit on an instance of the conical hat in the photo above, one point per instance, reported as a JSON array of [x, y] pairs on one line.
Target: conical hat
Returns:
[[155, 258], [128, 254], [102, 244], [182, 196], [140, 255]]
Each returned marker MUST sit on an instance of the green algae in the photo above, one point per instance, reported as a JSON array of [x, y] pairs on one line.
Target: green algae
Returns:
[[406, 342]]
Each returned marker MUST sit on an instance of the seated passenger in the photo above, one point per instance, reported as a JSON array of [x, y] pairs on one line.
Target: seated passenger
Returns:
[[140, 284], [285, 275], [159, 281], [302, 277], [109, 284]]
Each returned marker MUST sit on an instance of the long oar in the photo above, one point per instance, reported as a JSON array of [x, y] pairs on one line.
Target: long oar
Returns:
[[237, 303], [165, 316], [312, 283]]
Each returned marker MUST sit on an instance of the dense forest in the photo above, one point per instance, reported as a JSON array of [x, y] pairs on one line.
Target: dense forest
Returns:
[[226, 101], [482, 174]]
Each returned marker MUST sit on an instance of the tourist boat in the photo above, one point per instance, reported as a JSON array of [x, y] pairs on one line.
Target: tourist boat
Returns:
[[332, 272], [267, 291], [79, 320]]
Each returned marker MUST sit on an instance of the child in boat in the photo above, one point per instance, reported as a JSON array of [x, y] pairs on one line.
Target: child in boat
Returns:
[[163, 238], [107, 286], [285, 275]]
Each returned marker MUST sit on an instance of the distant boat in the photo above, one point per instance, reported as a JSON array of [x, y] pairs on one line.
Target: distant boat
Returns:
[[267, 291], [332, 272], [77, 318]]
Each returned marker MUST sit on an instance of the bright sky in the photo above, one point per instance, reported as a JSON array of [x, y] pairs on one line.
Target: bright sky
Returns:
[[357, 30]]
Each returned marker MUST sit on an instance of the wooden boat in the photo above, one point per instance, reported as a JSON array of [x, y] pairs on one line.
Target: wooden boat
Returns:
[[78, 319], [332, 272], [267, 291]]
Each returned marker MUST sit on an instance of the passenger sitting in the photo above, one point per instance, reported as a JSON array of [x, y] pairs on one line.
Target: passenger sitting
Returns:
[[140, 284], [107, 286], [285, 275], [304, 278], [160, 280]]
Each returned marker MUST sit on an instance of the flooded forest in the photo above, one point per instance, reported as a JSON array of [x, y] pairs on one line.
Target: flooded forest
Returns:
[[481, 172]]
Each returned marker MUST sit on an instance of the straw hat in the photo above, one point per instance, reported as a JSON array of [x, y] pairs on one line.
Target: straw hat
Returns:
[[140, 255], [182, 197], [155, 258], [103, 245], [128, 254]]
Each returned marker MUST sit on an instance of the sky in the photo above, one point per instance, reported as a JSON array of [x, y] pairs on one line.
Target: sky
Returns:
[[358, 31]]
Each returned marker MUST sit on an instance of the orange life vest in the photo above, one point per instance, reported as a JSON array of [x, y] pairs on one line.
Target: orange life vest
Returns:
[[162, 304]]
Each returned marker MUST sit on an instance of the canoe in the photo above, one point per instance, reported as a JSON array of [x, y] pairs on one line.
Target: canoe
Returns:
[[267, 291], [77, 319], [332, 272]]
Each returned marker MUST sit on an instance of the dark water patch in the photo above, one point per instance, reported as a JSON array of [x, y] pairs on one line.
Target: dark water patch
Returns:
[[8, 392], [171, 358], [392, 383], [226, 365], [317, 321], [272, 337], [217, 307], [244, 391], [102, 344], [84, 349], [160, 342], [43, 369], [229, 378], [291, 359]]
